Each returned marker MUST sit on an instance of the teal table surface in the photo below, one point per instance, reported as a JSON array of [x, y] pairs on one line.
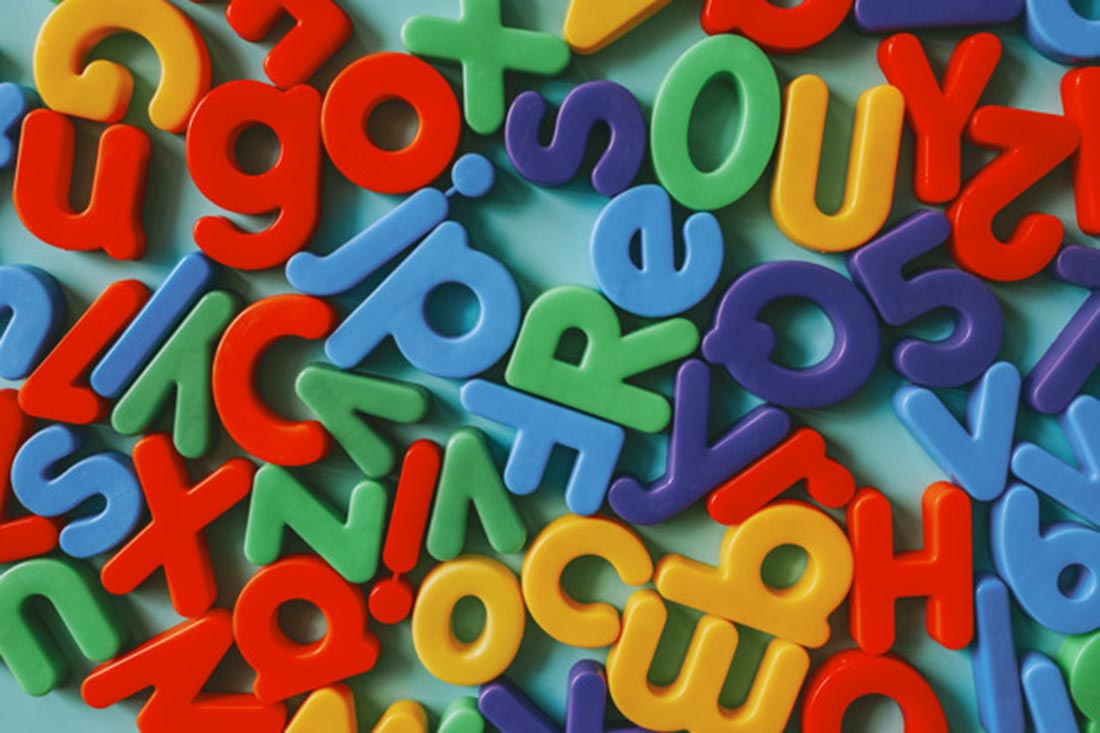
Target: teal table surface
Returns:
[[542, 235]]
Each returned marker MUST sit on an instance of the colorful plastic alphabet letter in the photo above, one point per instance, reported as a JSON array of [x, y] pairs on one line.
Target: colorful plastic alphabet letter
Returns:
[[510, 711], [246, 416], [177, 665], [1075, 489], [486, 49], [470, 479], [587, 105], [1080, 657], [34, 658], [100, 90], [284, 667], [938, 116], [45, 489], [1032, 144], [21, 537], [354, 261], [976, 460], [179, 291], [880, 16], [872, 166], [58, 389], [691, 702], [585, 625], [736, 591], [321, 27], [354, 95], [591, 25], [597, 384], [757, 125], [486, 657], [339, 398], [174, 537], [942, 571], [852, 674], [1060, 31], [1061, 372], [291, 187], [281, 502], [539, 427], [778, 28], [36, 306], [743, 343], [180, 371], [657, 288], [800, 457], [43, 179], [15, 103], [397, 308], [695, 466], [993, 659], [1033, 562], [1081, 103]]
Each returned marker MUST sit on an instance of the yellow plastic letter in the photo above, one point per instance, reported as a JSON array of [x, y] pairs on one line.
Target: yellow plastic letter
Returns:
[[487, 656], [872, 167], [101, 90], [585, 625], [691, 702], [735, 591]]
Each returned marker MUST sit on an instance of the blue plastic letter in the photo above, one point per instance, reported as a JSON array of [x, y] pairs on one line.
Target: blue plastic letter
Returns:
[[539, 427], [37, 308], [658, 288], [183, 287], [397, 307], [1032, 562], [1058, 31], [993, 659], [37, 483], [977, 461]]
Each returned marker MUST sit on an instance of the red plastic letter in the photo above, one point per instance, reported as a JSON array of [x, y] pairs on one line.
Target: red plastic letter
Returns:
[[27, 536], [1081, 102], [391, 599], [245, 415], [43, 177], [58, 389], [176, 664], [283, 667], [173, 538], [778, 29], [1033, 144], [320, 29], [851, 675], [942, 571], [354, 95], [800, 457], [938, 116], [291, 186]]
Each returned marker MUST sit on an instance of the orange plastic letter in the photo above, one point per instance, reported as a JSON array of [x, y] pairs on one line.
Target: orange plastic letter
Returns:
[[58, 389], [284, 667], [851, 675], [176, 665], [245, 415], [938, 116], [292, 186], [942, 571], [43, 177]]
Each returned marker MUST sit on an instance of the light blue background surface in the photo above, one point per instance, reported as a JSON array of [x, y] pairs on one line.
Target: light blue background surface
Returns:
[[542, 235]]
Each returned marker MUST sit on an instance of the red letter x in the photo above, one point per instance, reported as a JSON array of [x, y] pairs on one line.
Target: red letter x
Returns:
[[173, 538]]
